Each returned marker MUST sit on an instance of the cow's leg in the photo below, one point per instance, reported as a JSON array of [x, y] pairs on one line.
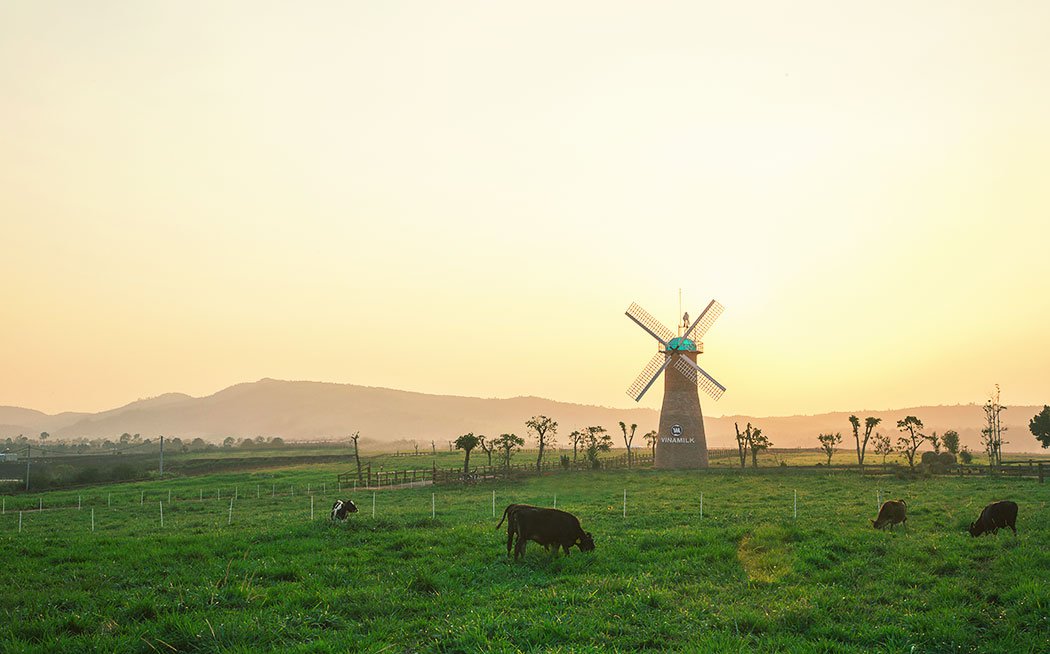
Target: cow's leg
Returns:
[[510, 539]]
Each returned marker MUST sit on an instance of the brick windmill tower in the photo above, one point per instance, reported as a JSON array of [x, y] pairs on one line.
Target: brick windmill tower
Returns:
[[681, 442]]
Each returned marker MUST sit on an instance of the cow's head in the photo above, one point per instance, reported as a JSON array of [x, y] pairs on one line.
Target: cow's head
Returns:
[[586, 542], [975, 530]]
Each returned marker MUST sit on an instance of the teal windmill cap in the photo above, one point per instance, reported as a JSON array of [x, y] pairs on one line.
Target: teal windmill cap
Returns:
[[681, 344]]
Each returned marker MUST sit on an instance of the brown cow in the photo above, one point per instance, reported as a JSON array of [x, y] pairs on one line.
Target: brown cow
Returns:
[[893, 512], [995, 516], [551, 528], [510, 515]]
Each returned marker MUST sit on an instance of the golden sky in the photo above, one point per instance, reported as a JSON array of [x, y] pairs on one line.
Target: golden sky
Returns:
[[464, 198]]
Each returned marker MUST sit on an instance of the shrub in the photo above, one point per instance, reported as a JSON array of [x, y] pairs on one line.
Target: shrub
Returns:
[[966, 456], [565, 461]]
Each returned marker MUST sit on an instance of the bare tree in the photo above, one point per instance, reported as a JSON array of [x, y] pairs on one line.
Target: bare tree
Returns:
[[870, 423], [628, 439], [828, 443], [742, 442], [486, 447], [883, 445], [854, 422], [545, 430], [992, 434], [357, 455], [911, 439]]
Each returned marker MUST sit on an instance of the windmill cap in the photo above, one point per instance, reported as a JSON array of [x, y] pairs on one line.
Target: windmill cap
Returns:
[[683, 345]]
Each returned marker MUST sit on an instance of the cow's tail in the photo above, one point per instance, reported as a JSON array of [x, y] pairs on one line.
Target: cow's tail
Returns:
[[504, 516]]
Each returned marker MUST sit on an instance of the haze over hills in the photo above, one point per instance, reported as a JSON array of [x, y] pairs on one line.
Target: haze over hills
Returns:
[[299, 410]]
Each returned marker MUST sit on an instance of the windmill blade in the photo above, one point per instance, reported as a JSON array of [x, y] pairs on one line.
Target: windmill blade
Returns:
[[707, 317], [655, 328], [698, 376], [650, 373]]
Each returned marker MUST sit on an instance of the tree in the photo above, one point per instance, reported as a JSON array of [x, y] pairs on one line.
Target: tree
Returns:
[[854, 422], [870, 423], [992, 434], [466, 442], [650, 440], [828, 443], [357, 455], [951, 441], [741, 442], [277, 441], [628, 439], [577, 442], [487, 447], [757, 441], [545, 430], [935, 441], [1039, 425], [911, 438], [44, 436], [508, 443], [597, 440], [883, 445], [228, 442], [966, 456]]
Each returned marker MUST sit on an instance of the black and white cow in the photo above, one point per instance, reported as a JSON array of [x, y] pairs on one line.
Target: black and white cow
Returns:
[[342, 508]]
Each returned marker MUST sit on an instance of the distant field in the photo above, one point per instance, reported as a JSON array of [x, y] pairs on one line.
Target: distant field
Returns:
[[746, 577]]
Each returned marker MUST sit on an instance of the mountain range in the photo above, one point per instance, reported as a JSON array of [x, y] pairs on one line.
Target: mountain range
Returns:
[[303, 410]]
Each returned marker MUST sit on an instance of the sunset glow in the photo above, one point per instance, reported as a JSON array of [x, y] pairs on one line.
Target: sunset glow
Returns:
[[464, 199]]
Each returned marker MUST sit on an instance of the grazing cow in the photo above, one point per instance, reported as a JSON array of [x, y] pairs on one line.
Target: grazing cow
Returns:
[[552, 529], [509, 514], [342, 508], [996, 516], [893, 512]]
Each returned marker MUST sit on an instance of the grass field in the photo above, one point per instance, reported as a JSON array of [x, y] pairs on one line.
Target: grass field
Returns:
[[747, 576]]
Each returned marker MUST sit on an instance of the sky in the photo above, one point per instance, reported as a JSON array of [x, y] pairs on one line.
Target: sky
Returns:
[[464, 198]]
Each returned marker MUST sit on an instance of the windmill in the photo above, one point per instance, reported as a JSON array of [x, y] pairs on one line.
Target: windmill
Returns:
[[681, 441]]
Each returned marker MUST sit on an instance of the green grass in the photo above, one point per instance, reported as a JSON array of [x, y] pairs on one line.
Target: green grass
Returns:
[[746, 577]]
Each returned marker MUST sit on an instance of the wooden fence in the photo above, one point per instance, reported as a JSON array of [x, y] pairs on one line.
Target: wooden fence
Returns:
[[434, 474]]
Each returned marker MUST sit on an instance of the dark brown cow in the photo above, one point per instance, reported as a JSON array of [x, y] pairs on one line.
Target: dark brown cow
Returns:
[[995, 516], [551, 528], [893, 512], [509, 514]]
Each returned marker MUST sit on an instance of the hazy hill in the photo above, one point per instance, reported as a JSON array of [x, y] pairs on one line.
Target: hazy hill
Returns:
[[312, 410]]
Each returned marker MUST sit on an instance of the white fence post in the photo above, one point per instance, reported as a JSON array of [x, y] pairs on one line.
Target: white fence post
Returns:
[[493, 504], [373, 504], [432, 508], [796, 505], [142, 497], [229, 521], [78, 502], [92, 519], [19, 522], [701, 505], [625, 502], [555, 500], [161, 514]]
